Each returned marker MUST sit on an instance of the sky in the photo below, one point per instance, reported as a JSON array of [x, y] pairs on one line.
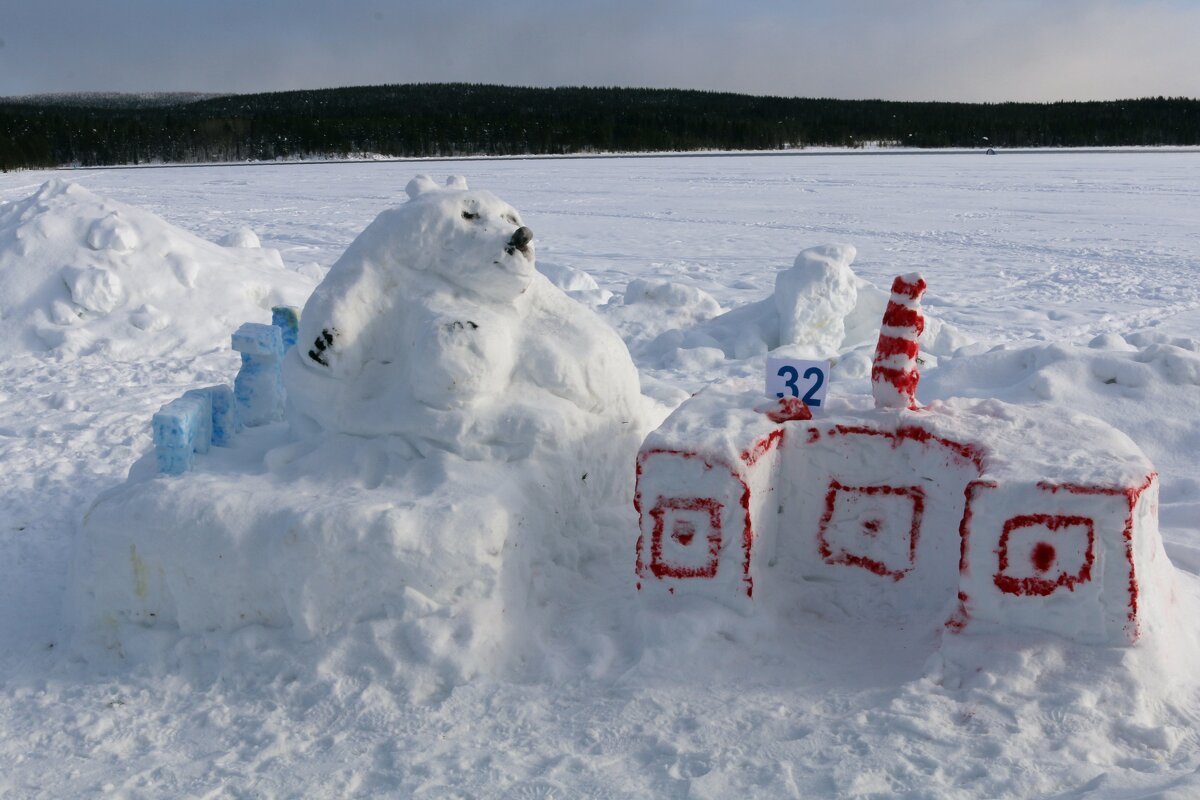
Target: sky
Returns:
[[958, 50]]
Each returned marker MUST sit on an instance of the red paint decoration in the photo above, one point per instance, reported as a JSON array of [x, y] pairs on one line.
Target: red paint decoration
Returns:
[[894, 374]]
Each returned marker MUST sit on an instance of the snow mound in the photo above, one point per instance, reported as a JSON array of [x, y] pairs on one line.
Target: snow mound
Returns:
[[680, 298], [242, 237], [454, 425], [81, 273], [653, 307], [577, 284]]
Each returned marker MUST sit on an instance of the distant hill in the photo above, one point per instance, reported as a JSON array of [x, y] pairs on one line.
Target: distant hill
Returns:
[[108, 99], [466, 119]]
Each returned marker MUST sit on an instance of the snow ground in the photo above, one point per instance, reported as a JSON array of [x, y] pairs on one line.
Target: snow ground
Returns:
[[1039, 253]]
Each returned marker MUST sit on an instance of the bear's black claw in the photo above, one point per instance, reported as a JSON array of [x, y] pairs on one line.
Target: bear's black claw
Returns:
[[320, 344]]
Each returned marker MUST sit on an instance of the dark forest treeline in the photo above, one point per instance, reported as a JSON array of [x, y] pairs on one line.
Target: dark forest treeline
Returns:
[[462, 119]]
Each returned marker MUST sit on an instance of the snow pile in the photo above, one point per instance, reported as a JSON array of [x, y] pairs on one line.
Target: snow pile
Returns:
[[575, 283], [677, 298], [819, 309], [80, 273], [242, 237], [454, 425]]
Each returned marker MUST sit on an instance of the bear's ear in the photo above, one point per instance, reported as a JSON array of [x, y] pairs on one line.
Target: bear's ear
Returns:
[[419, 186], [457, 182]]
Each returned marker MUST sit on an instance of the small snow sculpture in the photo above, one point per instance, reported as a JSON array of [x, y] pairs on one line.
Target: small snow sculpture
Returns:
[[894, 375], [814, 297]]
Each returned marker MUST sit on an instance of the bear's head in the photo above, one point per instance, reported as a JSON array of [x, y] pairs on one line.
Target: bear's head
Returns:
[[473, 240]]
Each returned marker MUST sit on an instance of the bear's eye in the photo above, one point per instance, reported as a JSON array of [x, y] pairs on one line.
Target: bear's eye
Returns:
[[511, 218], [469, 215]]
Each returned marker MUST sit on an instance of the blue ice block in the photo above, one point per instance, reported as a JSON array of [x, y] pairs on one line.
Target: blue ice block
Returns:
[[258, 387], [225, 421], [256, 339], [179, 428], [287, 319], [224, 424], [203, 436]]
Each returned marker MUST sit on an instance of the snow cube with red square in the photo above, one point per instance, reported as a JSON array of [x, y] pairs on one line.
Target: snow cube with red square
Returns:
[[1083, 560], [1042, 553], [686, 540], [872, 527]]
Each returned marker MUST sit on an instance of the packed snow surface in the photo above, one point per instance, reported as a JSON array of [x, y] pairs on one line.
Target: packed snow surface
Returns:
[[1060, 281]]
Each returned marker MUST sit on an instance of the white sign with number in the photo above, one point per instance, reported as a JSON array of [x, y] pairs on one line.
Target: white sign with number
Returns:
[[793, 377]]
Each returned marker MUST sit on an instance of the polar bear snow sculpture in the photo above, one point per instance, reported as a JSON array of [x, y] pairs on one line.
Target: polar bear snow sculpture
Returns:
[[452, 420], [435, 325]]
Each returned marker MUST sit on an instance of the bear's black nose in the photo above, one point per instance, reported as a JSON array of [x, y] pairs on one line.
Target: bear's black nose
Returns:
[[521, 237]]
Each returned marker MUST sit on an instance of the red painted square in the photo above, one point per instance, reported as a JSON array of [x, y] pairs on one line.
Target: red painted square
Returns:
[[686, 540], [1039, 553], [873, 527]]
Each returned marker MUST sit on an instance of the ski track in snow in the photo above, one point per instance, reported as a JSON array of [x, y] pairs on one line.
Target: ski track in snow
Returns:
[[1016, 248]]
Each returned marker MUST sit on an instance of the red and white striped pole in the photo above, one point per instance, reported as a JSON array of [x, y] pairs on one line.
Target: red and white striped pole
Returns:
[[894, 374]]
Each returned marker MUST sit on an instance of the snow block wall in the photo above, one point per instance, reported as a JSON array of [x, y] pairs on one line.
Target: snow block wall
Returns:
[[975, 513], [190, 424], [214, 415]]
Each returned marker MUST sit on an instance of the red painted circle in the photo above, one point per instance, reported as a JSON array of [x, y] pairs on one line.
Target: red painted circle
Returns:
[[1043, 556]]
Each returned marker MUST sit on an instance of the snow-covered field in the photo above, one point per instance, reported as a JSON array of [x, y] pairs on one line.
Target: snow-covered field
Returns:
[[1064, 279]]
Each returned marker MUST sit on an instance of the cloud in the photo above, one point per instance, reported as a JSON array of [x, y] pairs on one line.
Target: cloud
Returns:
[[890, 49]]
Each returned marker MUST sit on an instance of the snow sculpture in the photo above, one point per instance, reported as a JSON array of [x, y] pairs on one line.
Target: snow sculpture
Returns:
[[452, 423], [435, 325], [973, 513], [819, 309], [814, 298]]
